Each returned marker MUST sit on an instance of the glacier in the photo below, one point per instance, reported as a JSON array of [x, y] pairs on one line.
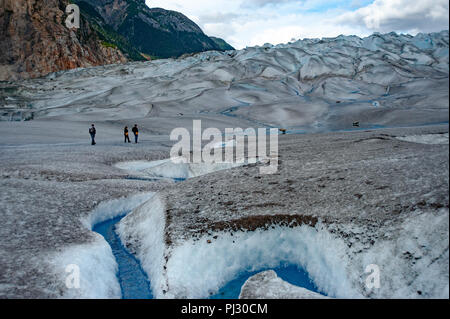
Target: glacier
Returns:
[[312, 85], [344, 197]]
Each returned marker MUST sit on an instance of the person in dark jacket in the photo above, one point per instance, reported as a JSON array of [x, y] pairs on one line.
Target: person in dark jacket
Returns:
[[125, 133], [93, 131], [136, 133]]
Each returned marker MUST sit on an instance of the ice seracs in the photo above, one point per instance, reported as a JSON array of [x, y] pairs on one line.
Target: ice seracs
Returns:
[[383, 79]]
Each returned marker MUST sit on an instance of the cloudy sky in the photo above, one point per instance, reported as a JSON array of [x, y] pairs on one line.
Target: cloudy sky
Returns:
[[255, 22]]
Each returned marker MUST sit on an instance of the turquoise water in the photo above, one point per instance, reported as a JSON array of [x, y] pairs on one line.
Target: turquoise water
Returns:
[[132, 278], [290, 273]]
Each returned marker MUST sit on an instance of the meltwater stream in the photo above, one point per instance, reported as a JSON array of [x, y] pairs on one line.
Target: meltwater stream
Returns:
[[132, 278], [135, 284]]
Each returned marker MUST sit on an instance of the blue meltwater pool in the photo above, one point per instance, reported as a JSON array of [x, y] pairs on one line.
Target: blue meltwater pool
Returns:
[[290, 273]]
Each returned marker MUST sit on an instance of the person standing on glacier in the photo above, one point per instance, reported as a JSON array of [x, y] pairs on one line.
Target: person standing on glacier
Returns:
[[136, 133], [125, 133], [93, 131]]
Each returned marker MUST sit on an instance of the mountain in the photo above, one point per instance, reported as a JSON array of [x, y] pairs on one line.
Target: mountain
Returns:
[[155, 32], [107, 34], [35, 40], [224, 46]]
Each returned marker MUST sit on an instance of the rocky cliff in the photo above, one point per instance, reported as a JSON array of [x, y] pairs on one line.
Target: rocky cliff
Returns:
[[35, 40]]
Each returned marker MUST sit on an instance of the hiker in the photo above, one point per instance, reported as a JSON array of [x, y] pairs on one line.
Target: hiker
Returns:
[[93, 131], [136, 133], [125, 132]]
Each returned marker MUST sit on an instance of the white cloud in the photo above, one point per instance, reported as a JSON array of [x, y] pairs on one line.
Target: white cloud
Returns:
[[400, 15], [255, 22]]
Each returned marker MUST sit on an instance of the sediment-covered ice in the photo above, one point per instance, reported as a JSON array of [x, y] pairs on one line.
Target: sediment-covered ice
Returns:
[[426, 139], [50, 197], [382, 201], [410, 264], [352, 209]]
